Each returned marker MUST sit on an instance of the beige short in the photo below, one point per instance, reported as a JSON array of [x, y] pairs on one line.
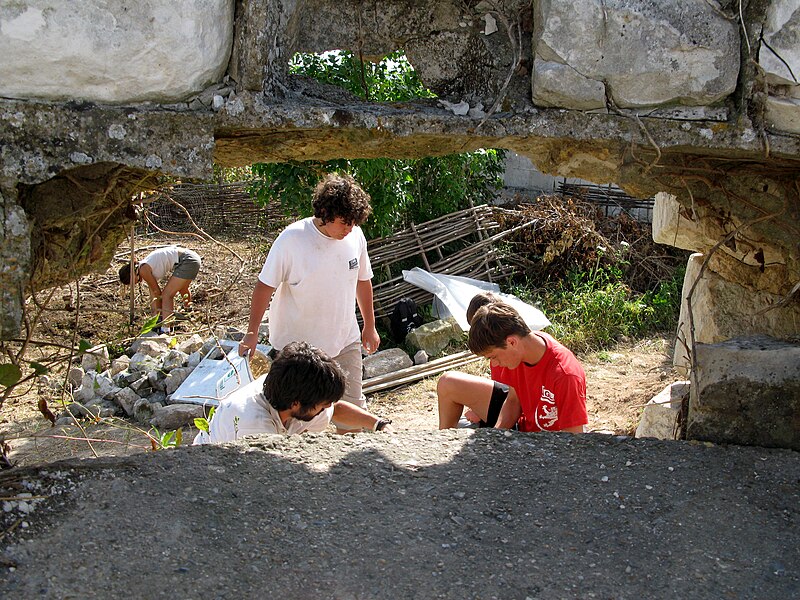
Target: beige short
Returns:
[[349, 360]]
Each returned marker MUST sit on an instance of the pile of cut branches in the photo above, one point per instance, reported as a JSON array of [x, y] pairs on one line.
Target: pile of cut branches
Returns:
[[571, 235]]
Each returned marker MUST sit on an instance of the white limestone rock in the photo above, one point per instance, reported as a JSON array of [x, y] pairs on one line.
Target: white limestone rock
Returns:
[[560, 85], [660, 415], [194, 359], [783, 114], [386, 361], [193, 344], [143, 363], [780, 56], [646, 54], [174, 359], [127, 399], [175, 416], [421, 357], [175, 378], [95, 359], [113, 51], [120, 365], [154, 347]]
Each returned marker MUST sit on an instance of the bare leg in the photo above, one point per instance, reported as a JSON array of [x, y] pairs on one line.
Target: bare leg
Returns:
[[457, 390], [174, 285]]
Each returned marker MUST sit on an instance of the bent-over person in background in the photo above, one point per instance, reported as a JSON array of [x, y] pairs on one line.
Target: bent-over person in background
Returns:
[[180, 264]]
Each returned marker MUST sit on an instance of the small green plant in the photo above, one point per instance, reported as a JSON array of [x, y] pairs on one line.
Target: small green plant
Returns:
[[167, 439], [202, 423]]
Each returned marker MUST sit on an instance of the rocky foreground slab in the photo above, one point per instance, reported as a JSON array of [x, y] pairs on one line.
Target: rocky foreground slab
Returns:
[[457, 514]]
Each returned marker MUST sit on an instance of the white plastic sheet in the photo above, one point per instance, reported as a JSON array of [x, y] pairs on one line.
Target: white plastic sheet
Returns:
[[454, 293]]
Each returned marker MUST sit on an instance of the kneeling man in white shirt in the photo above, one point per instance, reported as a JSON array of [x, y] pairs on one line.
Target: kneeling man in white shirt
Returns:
[[300, 393]]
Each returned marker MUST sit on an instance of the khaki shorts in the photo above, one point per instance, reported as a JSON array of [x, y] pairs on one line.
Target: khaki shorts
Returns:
[[188, 265], [349, 360]]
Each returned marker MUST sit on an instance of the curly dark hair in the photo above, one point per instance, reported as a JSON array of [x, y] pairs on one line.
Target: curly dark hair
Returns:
[[305, 374], [340, 196]]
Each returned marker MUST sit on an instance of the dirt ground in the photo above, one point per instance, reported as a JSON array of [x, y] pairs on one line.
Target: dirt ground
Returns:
[[619, 381]]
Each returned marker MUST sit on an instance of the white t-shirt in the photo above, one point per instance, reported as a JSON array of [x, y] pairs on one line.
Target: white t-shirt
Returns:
[[315, 277], [162, 261], [247, 412]]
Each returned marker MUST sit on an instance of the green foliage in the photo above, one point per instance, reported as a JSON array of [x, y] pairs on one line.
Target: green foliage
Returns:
[[594, 310], [231, 174], [402, 191], [38, 368], [202, 423], [392, 79], [9, 375], [167, 439], [149, 325]]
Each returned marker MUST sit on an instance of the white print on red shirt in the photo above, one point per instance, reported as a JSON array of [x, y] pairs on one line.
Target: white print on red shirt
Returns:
[[547, 414]]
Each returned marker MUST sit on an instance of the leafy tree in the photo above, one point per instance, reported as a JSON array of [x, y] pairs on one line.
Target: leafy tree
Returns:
[[402, 191], [392, 79]]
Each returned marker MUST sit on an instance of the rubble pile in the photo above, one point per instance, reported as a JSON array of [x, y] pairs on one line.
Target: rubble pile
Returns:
[[136, 385]]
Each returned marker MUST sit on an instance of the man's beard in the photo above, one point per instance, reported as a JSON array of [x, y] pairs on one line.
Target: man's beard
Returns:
[[305, 415]]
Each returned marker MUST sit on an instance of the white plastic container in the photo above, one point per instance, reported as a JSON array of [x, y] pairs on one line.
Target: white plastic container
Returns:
[[217, 375]]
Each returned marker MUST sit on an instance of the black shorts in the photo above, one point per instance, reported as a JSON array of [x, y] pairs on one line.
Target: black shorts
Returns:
[[499, 395]]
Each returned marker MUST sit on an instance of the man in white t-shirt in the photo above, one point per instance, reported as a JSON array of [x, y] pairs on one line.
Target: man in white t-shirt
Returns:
[[318, 269], [300, 393]]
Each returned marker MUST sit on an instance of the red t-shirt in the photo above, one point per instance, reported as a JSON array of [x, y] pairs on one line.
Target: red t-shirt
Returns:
[[552, 392]]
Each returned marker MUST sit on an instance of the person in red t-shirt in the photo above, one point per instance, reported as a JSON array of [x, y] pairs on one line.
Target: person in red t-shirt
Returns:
[[537, 384]]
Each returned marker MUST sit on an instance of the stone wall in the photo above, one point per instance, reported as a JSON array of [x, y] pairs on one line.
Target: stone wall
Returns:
[[676, 97]]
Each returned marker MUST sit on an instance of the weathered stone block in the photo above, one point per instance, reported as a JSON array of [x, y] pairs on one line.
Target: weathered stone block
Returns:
[[57, 50], [746, 391], [722, 310], [176, 416], [660, 416], [659, 64], [435, 336], [386, 361]]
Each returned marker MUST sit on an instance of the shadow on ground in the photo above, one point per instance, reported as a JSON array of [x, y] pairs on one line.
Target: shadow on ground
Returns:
[[457, 514]]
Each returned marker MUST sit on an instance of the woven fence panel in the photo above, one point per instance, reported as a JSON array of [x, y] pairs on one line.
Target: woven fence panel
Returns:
[[225, 209]]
